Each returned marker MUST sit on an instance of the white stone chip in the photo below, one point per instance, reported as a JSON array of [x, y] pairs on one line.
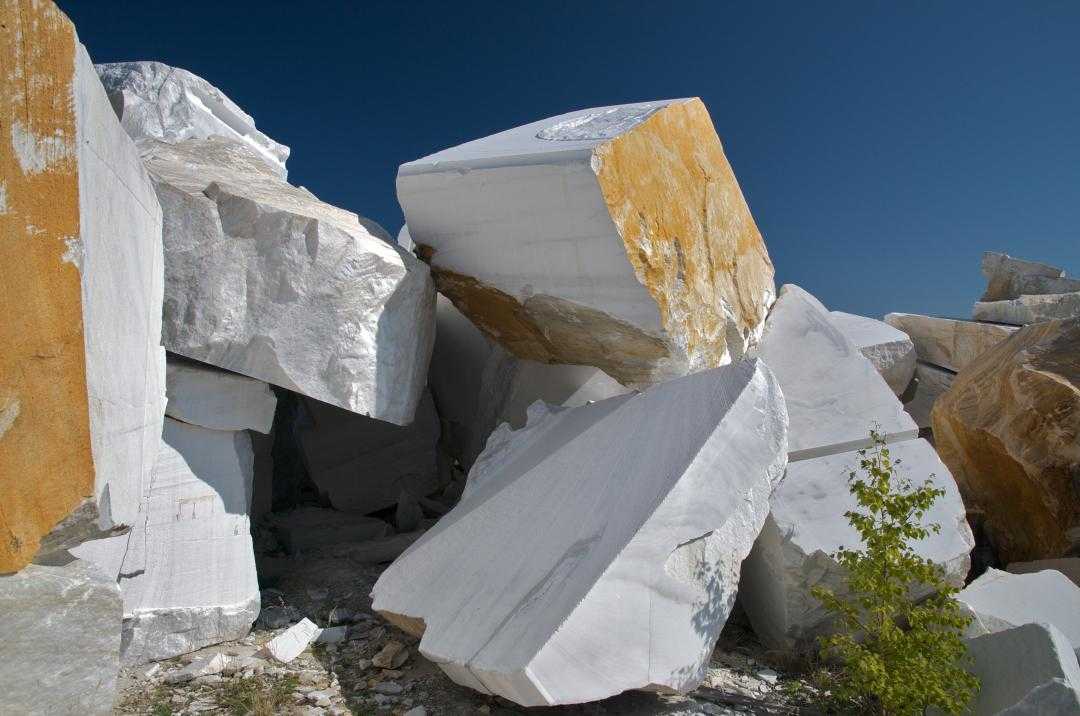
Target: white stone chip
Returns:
[[890, 350], [216, 399], [291, 643]]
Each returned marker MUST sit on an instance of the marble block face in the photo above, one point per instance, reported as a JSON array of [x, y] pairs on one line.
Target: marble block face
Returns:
[[1029, 669], [597, 549], [216, 399], [949, 343], [890, 350], [616, 237]]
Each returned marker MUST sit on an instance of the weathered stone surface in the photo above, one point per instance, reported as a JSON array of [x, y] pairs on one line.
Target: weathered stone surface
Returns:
[[929, 384], [187, 574], [59, 640], [615, 237], [264, 279], [1028, 669], [1030, 309], [647, 501], [81, 395], [833, 393], [362, 464], [216, 399], [949, 342], [890, 350], [1009, 429], [307, 528], [1069, 566], [1009, 277], [806, 526], [998, 600]]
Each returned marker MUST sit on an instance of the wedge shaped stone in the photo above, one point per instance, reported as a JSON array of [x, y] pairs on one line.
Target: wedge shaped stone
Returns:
[[889, 349], [1029, 669], [1030, 309], [949, 342], [265, 280], [615, 237], [59, 640], [834, 394], [216, 399], [1009, 429], [929, 384], [597, 549], [1009, 277], [156, 101], [806, 526], [81, 371]]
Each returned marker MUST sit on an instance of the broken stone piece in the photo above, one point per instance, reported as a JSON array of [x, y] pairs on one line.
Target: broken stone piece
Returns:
[[307, 528], [291, 643], [949, 343], [1028, 669], [206, 665], [806, 526], [391, 656], [1009, 277], [615, 237], [833, 393], [648, 501], [890, 350], [213, 398], [1030, 309], [929, 384]]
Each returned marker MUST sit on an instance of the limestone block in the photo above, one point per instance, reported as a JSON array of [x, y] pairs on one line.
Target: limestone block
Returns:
[[307, 528], [929, 384], [890, 350], [999, 600], [615, 237], [1009, 429], [265, 280], [806, 526], [156, 101], [1009, 277], [59, 640], [949, 342], [362, 464], [833, 393], [216, 399], [1069, 566], [81, 394], [597, 549], [1028, 669], [1029, 309]]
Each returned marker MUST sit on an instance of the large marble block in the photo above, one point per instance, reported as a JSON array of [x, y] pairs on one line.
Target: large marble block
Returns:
[[81, 371], [1029, 669], [834, 394], [929, 384], [806, 526], [265, 280], [1009, 277], [59, 640], [213, 398], [890, 350], [949, 343], [597, 549], [1029, 309], [616, 237]]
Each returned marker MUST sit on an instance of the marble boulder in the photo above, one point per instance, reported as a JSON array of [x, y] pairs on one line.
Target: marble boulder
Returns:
[[949, 343], [1009, 278], [212, 398], [1029, 669], [1029, 309], [890, 350], [597, 549]]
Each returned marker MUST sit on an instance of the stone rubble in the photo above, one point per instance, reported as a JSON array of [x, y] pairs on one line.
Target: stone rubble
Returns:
[[890, 350]]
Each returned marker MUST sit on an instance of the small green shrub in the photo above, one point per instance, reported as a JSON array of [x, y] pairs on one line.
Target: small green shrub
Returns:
[[895, 655]]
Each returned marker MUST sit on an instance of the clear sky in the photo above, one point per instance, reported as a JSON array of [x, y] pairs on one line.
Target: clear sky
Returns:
[[881, 146]]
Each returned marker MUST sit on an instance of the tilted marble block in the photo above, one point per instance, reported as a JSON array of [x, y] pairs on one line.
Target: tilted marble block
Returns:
[[1009, 277], [929, 384], [1029, 669], [806, 526], [217, 399], [834, 394], [156, 101], [890, 350], [188, 574], [597, 549], [59, 640], [949, 343], [265, 280], [81, 371], [615, 237], [1030, 309]]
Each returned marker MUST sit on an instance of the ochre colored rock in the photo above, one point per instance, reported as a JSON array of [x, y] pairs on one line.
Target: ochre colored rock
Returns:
[[1009, 430]]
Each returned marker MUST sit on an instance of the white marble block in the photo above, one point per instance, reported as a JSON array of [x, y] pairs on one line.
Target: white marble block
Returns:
[[834, 394], [1030, 669], [616, 237], [217, 399], [806, 526], [59, 640], [890, 350], [949, 342], [597, 549], [1029, 309]]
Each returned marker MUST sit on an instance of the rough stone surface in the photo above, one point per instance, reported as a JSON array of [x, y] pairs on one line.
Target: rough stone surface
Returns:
[[1009, 277], [1029, 669], [649, 501], [59, 640], [81, 276], [833, 393], [929, 384], [806, 526], [949, 342], [1069, 566], [615, 237], [1009, 429], [212, 398], [264, 279], [890, 350], [1030, 309]]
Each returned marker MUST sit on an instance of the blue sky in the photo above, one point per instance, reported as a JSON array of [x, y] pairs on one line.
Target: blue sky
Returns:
[[881, 146]]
